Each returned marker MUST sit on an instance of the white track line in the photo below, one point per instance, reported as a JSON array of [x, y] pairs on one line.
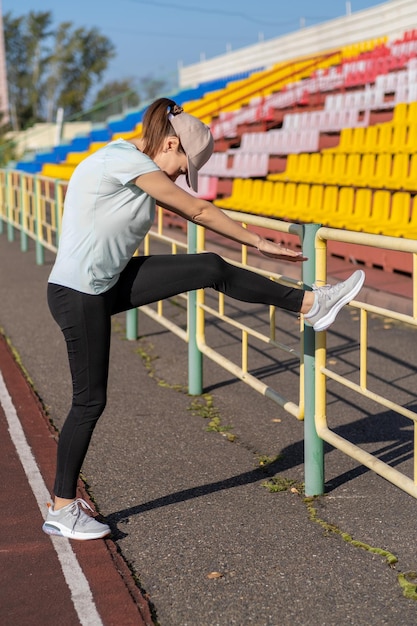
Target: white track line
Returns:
[[78, 584]]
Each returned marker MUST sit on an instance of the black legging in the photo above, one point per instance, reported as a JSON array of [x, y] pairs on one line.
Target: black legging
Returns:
[[85, 322]]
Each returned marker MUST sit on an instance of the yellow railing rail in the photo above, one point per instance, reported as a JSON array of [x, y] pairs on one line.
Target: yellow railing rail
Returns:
[[324, 372]]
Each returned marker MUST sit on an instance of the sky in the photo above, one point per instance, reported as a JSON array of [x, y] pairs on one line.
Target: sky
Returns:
[[152, 37]]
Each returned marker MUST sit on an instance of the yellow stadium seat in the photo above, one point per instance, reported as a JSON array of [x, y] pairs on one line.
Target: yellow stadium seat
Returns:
[[314, 206], [57, 170], [239, 187], [410, 144], [353, 164], [263, 205], [362, 209], [382, 139], [291, 168], [411, 232], [399, 171], [362, 136], [344, 209], [399, 216], [287, 200], [276, 199], [345, 141], [326, 167], [412, 113], [365, 139], [73, 158], [252, 196], [381, 204], [410, 181], [366, 170], [301, 200], [400, 113], [329, 201], [382, 171], [399, 137], [310, 173]]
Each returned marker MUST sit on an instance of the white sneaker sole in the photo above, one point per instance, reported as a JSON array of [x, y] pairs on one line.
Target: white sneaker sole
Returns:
[[328, 319], [59, 530]]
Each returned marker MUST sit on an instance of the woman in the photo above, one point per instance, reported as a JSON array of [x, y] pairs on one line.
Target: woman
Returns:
[[109, 208]]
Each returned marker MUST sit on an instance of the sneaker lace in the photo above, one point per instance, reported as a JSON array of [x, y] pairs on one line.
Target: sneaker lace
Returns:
[[77, 511], [327, 290]]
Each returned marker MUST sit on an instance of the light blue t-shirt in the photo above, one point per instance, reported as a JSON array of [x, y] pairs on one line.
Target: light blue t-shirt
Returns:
[[106, 217]]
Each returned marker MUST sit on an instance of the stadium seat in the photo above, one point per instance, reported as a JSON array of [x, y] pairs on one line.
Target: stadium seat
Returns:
[[399, 217], [362, 209], [409, 182], [343, 211], [366, 170], [382, 171], [381, 204], [353, 164], [240, 188]]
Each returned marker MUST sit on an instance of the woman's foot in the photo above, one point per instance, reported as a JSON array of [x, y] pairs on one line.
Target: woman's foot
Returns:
[[330, 299], [72, 522]]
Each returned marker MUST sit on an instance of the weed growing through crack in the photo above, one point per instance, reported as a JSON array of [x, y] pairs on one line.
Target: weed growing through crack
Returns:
[[204, 407], [406, 580], [408, 583], [281, 483], [390, 558], [264, 460]]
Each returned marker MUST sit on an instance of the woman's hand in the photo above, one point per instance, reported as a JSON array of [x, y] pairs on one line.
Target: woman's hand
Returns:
[[276, 251]]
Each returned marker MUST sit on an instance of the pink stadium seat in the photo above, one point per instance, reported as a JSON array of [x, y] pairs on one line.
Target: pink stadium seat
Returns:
[[207, 186]]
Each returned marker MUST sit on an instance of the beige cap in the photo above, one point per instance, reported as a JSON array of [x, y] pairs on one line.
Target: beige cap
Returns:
[[197, 141]]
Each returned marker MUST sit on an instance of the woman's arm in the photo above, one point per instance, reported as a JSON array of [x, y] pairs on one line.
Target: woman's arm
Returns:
[[169, 196]]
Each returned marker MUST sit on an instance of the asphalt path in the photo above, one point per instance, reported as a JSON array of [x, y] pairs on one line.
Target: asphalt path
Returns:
[[207, 543]]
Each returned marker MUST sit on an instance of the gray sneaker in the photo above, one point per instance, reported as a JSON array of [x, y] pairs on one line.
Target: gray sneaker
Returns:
[[330, 299], [72, 522]]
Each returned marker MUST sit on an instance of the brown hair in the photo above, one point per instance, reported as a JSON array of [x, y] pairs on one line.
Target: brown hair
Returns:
[[156, 125]]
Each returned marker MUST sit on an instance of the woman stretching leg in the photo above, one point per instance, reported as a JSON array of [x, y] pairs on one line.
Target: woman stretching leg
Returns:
[[109, 208]]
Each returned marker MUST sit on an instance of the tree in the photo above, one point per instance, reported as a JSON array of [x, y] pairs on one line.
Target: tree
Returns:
[[79, 59], [26, 59], [114, 98], [151, 87], [51, 68]]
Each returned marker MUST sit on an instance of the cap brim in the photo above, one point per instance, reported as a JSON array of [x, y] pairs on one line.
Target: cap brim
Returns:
[[192, 176]]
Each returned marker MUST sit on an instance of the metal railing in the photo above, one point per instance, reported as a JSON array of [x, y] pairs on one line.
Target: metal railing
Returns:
[[32, 206], [198, 311], [324, 372]]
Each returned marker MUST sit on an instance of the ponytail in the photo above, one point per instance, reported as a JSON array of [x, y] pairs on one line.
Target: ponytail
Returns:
[[156, 125]]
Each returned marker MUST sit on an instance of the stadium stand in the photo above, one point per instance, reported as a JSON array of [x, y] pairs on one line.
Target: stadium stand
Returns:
[[328, 138]]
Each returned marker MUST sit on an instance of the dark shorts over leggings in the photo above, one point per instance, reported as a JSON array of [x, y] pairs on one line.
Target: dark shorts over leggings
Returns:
[[85, 322]]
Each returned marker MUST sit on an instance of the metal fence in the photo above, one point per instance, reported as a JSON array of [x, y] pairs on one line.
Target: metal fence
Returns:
[[361, 387], [32, 207]]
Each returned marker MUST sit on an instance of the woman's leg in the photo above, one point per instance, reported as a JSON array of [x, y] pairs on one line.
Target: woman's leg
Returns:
[[85, 323], [153, 278]]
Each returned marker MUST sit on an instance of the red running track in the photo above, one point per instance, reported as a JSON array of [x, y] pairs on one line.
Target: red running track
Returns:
[[33, 588]]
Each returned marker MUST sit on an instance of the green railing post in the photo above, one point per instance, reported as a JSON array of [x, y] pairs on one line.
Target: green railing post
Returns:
[[195, 357], [313, 445], [132, 324]]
